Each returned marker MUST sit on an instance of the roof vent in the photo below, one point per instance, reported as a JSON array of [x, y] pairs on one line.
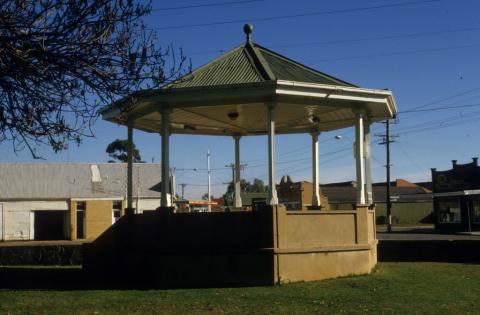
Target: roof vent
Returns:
[[96, 178]]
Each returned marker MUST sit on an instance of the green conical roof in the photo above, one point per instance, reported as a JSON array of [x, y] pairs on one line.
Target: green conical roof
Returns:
[[252, 63]]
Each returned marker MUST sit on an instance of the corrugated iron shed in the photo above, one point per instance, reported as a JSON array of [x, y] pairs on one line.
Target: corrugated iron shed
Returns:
[[63, 181]]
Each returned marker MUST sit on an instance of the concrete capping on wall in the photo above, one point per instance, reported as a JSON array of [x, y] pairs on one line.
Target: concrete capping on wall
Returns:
[[325, 249], [320, 212]]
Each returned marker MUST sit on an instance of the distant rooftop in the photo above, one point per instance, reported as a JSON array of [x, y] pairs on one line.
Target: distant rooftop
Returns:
[[62, 181]]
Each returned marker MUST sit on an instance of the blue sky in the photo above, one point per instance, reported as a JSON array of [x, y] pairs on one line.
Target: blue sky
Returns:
[[426, 52]]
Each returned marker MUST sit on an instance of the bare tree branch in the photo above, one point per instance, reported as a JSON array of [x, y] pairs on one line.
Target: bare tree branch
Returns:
[[61, 60]]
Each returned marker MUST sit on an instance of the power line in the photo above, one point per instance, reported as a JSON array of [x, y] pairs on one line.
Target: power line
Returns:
[[362, 39], [302, 159], [296, 150], [407, 52], [291, 171], [440, 121], [204, 5], [449, 97], [405, 153], [439, 124], [438, 108], [302, 148], [283, 17], [354, 40]]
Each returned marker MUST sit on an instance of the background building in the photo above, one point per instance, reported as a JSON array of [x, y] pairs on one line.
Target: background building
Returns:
[[70, 201], [457, 197], [411, 203]]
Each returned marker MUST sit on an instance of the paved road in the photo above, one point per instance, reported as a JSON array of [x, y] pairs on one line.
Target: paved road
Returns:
[[423, 233]]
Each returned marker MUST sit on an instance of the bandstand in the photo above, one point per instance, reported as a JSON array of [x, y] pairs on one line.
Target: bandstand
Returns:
[[248, 91]]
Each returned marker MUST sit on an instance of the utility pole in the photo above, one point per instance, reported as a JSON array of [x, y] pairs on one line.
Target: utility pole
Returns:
[[387, 139], [183, 190], [389, 200], [232, 166], [209, 171]]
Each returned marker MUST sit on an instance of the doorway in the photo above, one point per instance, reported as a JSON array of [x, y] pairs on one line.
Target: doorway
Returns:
[[49, 225]]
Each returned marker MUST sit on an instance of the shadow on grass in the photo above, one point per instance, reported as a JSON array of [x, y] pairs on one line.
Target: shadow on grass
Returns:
[[74, 279], [61, 278]]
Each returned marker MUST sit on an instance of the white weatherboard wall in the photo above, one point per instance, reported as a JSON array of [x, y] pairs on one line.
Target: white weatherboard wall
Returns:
[[1, 222], [146, 204], [18, 217]]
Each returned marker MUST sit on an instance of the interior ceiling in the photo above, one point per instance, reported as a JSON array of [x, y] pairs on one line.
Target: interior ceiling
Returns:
[[250, 119]]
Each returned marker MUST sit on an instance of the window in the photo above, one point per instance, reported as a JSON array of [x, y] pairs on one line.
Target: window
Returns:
[[476, 209], [449, 211], [81, 219], [116, 210]]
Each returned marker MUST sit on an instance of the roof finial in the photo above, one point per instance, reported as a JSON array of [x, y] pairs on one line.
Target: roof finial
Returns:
[[248, 28]]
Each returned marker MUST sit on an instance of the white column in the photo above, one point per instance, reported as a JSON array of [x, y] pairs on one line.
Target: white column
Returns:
[[173, 185], [272, 189], [316, 202], [165, 133], [359, 156], [238, 197], [130, 168], [368, 166], [209, 183]]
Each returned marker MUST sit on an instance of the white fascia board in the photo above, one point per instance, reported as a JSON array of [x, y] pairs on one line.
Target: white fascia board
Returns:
[[417, 196], [391, 104], [333, 96], [93, 198], [330, 91], [333, 87], [338, 92], [458, 193], [472, 192], [301, 93]]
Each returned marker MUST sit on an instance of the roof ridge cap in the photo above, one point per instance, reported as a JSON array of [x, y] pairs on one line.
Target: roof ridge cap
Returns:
[[310, 69], [259, 62]]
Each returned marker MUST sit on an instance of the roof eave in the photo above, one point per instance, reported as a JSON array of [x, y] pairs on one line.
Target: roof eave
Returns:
[[336, 92], [153, 100]]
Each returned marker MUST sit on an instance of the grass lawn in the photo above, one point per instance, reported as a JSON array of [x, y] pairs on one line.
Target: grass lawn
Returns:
[[393, 288]]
